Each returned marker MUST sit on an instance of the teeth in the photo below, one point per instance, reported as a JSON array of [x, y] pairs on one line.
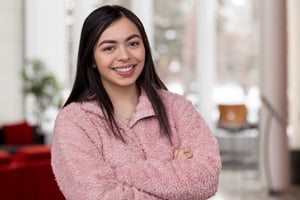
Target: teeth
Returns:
[[126, 69]]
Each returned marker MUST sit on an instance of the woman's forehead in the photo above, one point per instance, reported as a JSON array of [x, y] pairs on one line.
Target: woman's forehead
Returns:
[[120, 29]]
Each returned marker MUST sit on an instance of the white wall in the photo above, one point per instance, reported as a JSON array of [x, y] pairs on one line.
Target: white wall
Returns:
[[46, 36], [11, 54]]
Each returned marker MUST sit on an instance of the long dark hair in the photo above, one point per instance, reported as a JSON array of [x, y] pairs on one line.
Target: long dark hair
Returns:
[[87, 81]]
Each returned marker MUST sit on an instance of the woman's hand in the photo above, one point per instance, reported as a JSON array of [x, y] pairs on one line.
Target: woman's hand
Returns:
[[183, 153]]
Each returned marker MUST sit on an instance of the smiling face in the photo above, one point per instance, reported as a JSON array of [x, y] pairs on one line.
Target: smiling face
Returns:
[[120, 54]]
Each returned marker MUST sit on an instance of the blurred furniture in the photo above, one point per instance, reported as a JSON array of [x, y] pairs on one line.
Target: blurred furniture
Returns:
[[5, 158], [27, 174], [295, 166], [232, 116], [25, 169], [237, 138], [20, 133]]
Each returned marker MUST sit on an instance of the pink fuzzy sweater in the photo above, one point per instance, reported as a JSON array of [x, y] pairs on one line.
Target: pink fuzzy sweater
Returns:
[[89, 163]]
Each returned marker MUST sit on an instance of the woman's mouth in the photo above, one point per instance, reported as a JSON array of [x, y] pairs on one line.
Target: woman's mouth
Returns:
[[125, 71]]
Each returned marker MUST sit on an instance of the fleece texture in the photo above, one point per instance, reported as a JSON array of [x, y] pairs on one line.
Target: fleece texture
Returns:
[[89, 163]]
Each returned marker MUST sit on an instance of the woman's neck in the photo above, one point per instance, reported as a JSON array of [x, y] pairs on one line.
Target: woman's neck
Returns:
[[127, 94], [124, 100]]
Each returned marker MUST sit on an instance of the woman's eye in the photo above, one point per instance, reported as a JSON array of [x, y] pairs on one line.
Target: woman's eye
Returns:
[[108, 49], [133, 44]]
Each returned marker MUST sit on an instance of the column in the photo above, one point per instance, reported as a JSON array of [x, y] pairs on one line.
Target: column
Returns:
[[294, 71], [81, 10], [205, 55], [274, 152], [294, 87], [144, 10]]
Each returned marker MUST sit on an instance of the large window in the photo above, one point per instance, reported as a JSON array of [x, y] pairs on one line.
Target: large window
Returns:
[[237, 43], [237, 68], [237, 40], [174, 37]]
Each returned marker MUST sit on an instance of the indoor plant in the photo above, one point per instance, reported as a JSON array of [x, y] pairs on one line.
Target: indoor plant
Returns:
[[42, 92]]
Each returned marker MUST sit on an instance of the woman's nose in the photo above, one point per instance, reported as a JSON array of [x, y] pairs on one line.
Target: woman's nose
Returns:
[[123, 54]]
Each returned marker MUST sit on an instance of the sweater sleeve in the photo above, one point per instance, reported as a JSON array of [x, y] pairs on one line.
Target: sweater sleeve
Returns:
[[79, 168], [195, 178]]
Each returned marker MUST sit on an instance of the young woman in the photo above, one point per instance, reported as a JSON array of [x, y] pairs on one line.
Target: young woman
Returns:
[[121, 134]]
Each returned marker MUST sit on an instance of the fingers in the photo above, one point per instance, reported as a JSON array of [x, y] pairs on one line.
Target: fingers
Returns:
[[183, 153], [188, 155], [186, 150], [176, 154]]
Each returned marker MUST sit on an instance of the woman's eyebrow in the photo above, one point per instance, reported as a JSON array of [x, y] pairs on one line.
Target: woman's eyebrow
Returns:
[[114, 41], [107, 41], [132, 36]]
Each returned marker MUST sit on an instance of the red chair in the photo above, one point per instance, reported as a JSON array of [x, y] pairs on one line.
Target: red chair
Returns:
[[5, 158], [17, 134], [33, 153], [36, 173], [9, 184]]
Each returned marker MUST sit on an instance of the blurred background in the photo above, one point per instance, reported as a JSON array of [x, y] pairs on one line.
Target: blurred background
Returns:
[[236, 60]]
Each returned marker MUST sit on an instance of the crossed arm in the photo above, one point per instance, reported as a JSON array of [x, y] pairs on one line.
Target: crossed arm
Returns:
[[81, 174]]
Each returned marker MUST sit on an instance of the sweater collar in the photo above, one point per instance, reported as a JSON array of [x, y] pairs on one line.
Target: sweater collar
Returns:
[[143, 109]]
